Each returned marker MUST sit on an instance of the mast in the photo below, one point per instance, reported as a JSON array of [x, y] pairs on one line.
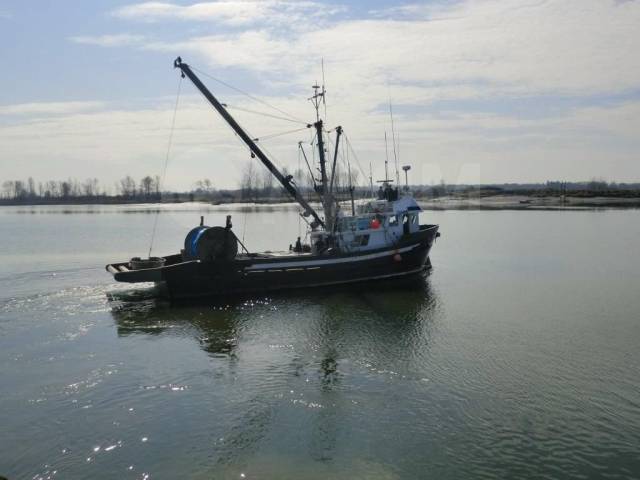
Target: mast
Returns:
[[351, 188], [255, 150], [335, 157], [323, 189]]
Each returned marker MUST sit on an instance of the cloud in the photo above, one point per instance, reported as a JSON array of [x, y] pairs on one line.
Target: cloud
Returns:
[[49, 108], [109, 143], [569, 47], [117, 40], [233, 12], [456, 145], [253, 50], [438, 63], [467, 49]]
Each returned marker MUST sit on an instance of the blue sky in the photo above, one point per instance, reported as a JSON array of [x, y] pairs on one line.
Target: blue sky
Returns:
[[483, 90]]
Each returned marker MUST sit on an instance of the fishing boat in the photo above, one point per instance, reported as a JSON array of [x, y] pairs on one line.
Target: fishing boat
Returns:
[[379, 238]]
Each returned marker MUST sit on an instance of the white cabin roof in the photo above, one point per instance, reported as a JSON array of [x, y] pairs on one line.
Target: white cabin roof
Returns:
[[404, 204], [385, 206]]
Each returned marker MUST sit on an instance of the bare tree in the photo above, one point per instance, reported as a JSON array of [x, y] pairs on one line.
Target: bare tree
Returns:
[[146, 186], [31, 187], [51, 189], [90, 187], [127, 186], [156, 185], [8, 189], [249, 180], [65, 189], [266, 182]]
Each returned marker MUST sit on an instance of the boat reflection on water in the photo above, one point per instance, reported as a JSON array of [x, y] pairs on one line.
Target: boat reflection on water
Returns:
[[294, 373], [387, 316]]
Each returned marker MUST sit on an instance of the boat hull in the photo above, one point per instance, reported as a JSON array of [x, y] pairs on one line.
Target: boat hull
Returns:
[[264, 273]]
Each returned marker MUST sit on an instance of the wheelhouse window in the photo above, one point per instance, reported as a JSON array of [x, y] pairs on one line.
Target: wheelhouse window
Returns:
[[363, 223], [347, 224], [360, 241]]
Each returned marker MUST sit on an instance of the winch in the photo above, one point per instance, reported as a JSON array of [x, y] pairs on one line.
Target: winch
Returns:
[[210, 243]]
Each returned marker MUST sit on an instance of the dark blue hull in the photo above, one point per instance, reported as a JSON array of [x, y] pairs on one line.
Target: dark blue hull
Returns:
[[264, 273]]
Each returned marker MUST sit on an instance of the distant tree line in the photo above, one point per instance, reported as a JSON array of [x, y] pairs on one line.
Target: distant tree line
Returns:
[[258, 185], [592, 188], [147, 189]]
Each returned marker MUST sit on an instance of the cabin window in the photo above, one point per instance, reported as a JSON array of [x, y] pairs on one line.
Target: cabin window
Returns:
[[393, 221], [406, 219], [414, 219], [363, 223], [360, 241], [347, 224]]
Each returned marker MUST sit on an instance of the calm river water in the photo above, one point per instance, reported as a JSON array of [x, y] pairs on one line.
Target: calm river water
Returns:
[[518, 357]]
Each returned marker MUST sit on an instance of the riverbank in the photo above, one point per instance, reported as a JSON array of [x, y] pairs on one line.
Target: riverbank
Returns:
[[526, 202], [447, 202]]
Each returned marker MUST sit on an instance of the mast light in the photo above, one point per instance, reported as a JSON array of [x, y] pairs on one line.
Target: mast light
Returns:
[[406, 169]]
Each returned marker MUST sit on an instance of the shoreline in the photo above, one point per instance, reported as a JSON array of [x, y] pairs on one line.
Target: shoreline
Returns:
[[527, 202], [449, 202]]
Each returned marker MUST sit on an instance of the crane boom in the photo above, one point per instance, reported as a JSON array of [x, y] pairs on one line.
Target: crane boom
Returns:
[[284, 180]]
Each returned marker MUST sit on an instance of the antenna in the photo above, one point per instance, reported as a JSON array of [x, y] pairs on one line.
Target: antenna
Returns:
[[386, 160], [316, 98], [393, 135], [324, 101]]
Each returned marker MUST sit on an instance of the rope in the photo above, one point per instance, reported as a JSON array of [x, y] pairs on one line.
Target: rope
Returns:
[[301, 150], [166, 163], [271, 157], [247, 95], [354, 155], [263, 114], [273, 135], [244, 229]]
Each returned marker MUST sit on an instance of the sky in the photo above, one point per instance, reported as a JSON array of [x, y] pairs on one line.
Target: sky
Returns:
[[483, 91]]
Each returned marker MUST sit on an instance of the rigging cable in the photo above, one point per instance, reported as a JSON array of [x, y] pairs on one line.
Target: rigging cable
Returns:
[[324, 94], [273, 159], [244, 228], [353, 152], [166, 163], [312, 177], [273, 135], [246, 94], [263, 147], [255, 112]]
